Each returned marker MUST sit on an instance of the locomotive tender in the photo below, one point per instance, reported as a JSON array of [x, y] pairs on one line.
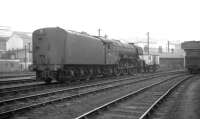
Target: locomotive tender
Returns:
[[192, 57], [66, 56]]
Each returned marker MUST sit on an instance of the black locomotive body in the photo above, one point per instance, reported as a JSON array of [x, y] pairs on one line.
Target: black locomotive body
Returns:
[[65, 56]]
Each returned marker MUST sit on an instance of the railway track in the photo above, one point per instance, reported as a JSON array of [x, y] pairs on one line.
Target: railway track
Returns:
[[18, 80], [71, 93], [20, 87], [11, 75], [4, 89], [34, 86], [135, 105], [23, 78]]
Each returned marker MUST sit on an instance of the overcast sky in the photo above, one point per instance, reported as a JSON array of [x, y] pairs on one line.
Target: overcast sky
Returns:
[[120, 19]]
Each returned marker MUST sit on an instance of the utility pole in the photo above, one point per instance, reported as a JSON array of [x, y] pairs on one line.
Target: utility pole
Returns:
[[168, 46], [106, 36], [29, 47], [99, 32], [25, 57], [17, 53], [29, 51], [148, 42]]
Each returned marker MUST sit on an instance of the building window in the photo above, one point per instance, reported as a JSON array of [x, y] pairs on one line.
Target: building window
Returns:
[[2, 44]]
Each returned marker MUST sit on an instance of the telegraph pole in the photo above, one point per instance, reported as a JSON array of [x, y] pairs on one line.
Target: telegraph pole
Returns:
[[29, 51], [168, 46], [29, 47], [106, 36], [16, 54], [25, 57], [148, 42], [99, 32]]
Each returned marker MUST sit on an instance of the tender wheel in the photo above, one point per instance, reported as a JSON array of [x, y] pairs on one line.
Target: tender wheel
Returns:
[[191, 71], [116, 72], [154, 69], [38, 75], [131, 71], [48, 80]]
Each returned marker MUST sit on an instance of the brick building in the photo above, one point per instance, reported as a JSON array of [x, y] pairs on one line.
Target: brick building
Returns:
[[18, 46], [3, 41]]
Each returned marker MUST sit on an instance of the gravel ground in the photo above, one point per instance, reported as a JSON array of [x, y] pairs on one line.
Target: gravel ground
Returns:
[[184, 103], [70, 109], [187, 105], [137, 105]]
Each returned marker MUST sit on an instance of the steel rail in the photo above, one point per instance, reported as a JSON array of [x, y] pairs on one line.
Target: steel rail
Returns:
[[15, 89], [19, 87], [27, 79], [29, 87], [17, 75], [8, 112], [161, 98], [77, 88], [98, 109]]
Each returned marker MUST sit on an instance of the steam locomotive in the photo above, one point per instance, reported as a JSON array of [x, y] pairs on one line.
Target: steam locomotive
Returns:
[[67, 56]]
